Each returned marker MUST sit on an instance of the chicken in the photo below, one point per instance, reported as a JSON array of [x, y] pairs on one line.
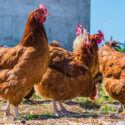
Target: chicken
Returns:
[[89, 51], [112, 66], [94, 65], [99, 78], [67, 75], [24, 65]]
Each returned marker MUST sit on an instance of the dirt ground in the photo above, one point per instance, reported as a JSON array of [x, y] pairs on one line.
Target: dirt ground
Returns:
[[40, 112]]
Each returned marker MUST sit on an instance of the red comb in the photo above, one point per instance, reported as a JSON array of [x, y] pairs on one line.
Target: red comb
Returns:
[[99, 37], [42, 6], [100, 32], [79, 26], [78, 29], [38, 15]]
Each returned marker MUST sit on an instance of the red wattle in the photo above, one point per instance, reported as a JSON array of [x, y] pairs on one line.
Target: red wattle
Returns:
[[92, 98], [99, 41]]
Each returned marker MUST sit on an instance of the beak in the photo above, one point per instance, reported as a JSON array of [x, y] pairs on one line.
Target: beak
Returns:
[[47, 14]]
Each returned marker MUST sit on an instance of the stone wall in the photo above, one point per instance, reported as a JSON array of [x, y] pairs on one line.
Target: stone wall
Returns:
[[60, 26]]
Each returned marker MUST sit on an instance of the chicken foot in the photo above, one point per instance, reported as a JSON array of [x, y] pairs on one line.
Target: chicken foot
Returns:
[[16, 112], [62, 111], [120, 108], [7, 111], [56, 112]]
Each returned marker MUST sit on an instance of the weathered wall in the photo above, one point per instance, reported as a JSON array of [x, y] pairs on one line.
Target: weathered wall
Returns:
[[60, 26]]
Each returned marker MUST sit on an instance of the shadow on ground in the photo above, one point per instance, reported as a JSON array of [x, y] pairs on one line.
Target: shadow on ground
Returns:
[[32, 102], [86, 105]]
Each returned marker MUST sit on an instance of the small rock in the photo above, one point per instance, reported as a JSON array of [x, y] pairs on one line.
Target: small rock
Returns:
[[23, 122]]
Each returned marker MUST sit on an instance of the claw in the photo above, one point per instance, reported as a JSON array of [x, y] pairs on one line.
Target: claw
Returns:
[[57, 113], [63, 110], [120, 110]]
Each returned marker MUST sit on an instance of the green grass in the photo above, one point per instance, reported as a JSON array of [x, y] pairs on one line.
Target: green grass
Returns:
[[80, 99], [28, 117], [103, 97], [103, 103], [107, 109], [36, 97]]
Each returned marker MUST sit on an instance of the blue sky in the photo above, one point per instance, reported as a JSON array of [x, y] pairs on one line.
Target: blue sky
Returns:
[[109, 17]]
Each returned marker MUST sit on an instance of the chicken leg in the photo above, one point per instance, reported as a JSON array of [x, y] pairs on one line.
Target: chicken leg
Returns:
[[7, 111], [16, 112], [120, 108], [63, 109], [57, 113], [98, 89]]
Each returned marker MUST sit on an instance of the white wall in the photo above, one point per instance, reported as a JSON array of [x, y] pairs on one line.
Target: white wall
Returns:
[[60, 26]]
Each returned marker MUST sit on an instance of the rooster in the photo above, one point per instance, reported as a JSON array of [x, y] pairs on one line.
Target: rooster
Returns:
[[24, 65], [69, 74], [88, 51], [112, 67]]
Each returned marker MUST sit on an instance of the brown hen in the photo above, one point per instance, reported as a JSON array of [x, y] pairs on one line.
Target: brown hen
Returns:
[[112, 66], [24, 65], [68, 75]]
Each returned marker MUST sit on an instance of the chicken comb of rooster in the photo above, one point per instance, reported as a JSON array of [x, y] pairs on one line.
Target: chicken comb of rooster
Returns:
[[100, 32], [42, 6], [78, 29], [79, 26]]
